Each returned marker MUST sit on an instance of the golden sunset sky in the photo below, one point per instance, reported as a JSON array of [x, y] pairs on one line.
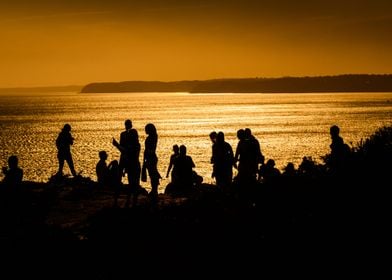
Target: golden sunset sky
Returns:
[[64, 42]]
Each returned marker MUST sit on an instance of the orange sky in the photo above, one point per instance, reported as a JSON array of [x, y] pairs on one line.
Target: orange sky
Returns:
[[46, 43]]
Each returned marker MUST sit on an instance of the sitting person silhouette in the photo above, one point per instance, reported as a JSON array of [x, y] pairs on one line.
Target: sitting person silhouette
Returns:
[[13, 174], [183, 175], [102, 169], [268, 172]]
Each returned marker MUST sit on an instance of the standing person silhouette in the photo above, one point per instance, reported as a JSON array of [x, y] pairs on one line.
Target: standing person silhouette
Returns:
[[150, 159], [223, 159], [129, 147], [213, 135], [124, 147], [63, 142]]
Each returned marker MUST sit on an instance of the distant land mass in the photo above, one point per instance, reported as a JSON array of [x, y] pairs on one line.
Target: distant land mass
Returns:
[[339, 83], [72, 88]]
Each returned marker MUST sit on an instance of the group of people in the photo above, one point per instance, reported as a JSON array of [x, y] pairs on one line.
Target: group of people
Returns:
[[247, 159], [129, 164]]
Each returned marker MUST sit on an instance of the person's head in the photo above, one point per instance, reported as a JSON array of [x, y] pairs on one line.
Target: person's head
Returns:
[[113, 165], [128, 124], [334, 131], [241, 134], [213, 135], [220, 138], [289, 167], [176, 149], [182, 150], [150, 129], [248, 132], [13, 162], [67, 127], [270, 163], [103, 155]]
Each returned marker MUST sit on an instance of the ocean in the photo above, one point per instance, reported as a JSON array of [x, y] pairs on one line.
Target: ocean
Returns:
[[288, 126]]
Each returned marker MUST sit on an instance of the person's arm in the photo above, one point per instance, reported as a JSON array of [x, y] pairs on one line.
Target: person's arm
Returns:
[[117, 145], [70, 139], [170, 166], [236, 156]]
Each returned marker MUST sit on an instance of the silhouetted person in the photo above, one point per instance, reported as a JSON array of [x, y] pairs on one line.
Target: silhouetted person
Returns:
[[13, 174], [63, 143], [176, 152], [339, 150], [289, 175], [101, 169], [289, 170], [124, 146], [223, 160], [255, 146], [268, 172], [129, 147], [213, 136], [183, 170], [248, 155], [150, 159]]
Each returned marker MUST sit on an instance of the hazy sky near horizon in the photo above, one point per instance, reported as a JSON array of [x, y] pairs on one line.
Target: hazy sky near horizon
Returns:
[[63, 42]]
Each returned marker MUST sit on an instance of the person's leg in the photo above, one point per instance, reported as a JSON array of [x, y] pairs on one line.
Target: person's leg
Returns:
[[71, 164], [61, 164]]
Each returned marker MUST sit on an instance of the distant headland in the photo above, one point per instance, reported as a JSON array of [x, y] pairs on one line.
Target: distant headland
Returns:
[[339, 83]]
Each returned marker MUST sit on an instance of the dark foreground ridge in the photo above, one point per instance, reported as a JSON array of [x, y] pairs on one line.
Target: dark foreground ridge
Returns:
[[340, 83]]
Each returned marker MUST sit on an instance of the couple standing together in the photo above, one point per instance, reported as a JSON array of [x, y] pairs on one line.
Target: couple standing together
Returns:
[[129, 147]]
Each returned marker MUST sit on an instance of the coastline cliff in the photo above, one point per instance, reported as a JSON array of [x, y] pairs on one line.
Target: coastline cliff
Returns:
[[340, 83]]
